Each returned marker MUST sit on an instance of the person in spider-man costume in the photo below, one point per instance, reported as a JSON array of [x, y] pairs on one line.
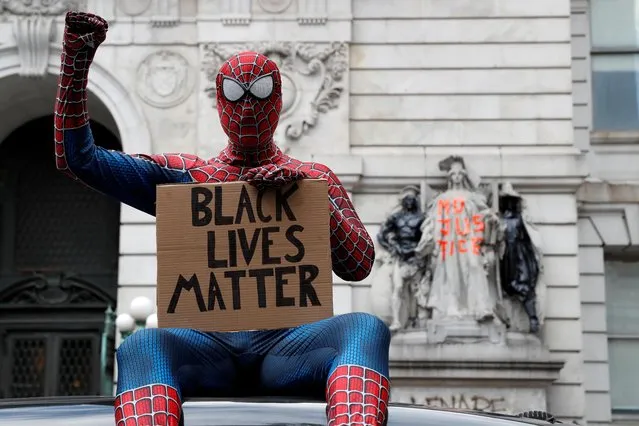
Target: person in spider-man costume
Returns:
[[343, 358]]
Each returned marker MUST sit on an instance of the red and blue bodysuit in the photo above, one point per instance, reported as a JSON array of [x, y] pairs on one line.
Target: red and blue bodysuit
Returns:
[[343, 359]]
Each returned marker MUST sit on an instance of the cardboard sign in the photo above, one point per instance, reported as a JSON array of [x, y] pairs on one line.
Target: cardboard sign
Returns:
[[231, 259]]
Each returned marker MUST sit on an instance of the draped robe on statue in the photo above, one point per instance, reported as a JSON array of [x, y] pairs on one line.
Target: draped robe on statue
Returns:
[[460, 287]]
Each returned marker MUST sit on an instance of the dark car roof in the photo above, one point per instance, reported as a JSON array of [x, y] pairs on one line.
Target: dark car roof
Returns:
[[98, 411]]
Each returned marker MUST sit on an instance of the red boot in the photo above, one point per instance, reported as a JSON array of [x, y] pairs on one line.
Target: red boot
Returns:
[[153, 405], [357, 396]]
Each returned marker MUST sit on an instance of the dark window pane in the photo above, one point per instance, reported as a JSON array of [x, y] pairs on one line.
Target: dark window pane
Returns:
[[28, 367], [75, 371], [614, 92]]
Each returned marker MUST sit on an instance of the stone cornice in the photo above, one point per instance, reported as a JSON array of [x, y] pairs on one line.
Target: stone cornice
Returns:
[[524, 359], [542, 372], [613, 213], [608, 193], [556, 172], [523, 184]]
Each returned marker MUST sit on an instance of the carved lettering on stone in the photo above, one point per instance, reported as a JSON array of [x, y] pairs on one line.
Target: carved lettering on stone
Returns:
[[134, 7], [165, 79], [312, 12], [312, 80], [463, 402], [274, 6], [167, 13], [33, 30], [236, 12]]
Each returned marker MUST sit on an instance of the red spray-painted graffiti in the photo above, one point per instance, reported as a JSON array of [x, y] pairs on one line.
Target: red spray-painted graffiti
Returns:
[[459, 232]]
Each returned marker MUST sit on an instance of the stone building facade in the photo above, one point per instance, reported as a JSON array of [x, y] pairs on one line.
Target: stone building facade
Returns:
[[381, 92]]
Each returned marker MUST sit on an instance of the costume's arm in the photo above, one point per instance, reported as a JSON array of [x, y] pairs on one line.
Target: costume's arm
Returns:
[[353, 251], [130, 179]]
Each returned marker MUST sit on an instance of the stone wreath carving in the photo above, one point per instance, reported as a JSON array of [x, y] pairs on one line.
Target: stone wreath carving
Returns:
[[165, 79], [303, 67]]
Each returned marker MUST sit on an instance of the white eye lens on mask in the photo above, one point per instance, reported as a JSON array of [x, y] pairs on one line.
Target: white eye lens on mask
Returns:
[[232, 90], [262, 87]]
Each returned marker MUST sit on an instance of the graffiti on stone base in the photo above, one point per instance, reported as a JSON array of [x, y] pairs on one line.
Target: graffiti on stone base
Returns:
[[463, 402]]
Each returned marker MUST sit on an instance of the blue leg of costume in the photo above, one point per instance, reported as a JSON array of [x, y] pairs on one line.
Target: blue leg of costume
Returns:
[[343, 358]]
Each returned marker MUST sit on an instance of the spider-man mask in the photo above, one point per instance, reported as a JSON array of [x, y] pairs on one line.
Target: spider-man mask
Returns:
[[249, 99]]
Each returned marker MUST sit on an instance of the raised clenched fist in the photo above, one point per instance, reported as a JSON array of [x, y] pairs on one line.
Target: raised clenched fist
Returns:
[[83, 30], [271, 175]]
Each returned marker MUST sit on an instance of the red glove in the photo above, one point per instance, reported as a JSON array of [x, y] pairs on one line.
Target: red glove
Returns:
[[83, 32], [272, 176]]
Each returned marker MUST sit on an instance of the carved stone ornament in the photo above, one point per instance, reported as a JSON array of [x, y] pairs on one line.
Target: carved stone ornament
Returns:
[[165, 79], [167, 13], [274, 6], [33, 30], [41, 7], [134, 7], [312, 80], [312, 12], [236, 12], [61, 290]]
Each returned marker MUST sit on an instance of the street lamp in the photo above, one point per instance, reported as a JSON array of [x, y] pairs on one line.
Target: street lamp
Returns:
[[141, 316], [152, 321]]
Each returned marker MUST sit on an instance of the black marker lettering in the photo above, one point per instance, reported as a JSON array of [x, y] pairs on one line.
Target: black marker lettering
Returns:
[[260, 214], [260, 277], [290, 235], [235, 286], [220, 219], [187, 285], [307, 274], [232, 248], [248, 250], [267, 242], [213, 262], [244, 205], [215, 293], [280, 282], [199, 206]]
